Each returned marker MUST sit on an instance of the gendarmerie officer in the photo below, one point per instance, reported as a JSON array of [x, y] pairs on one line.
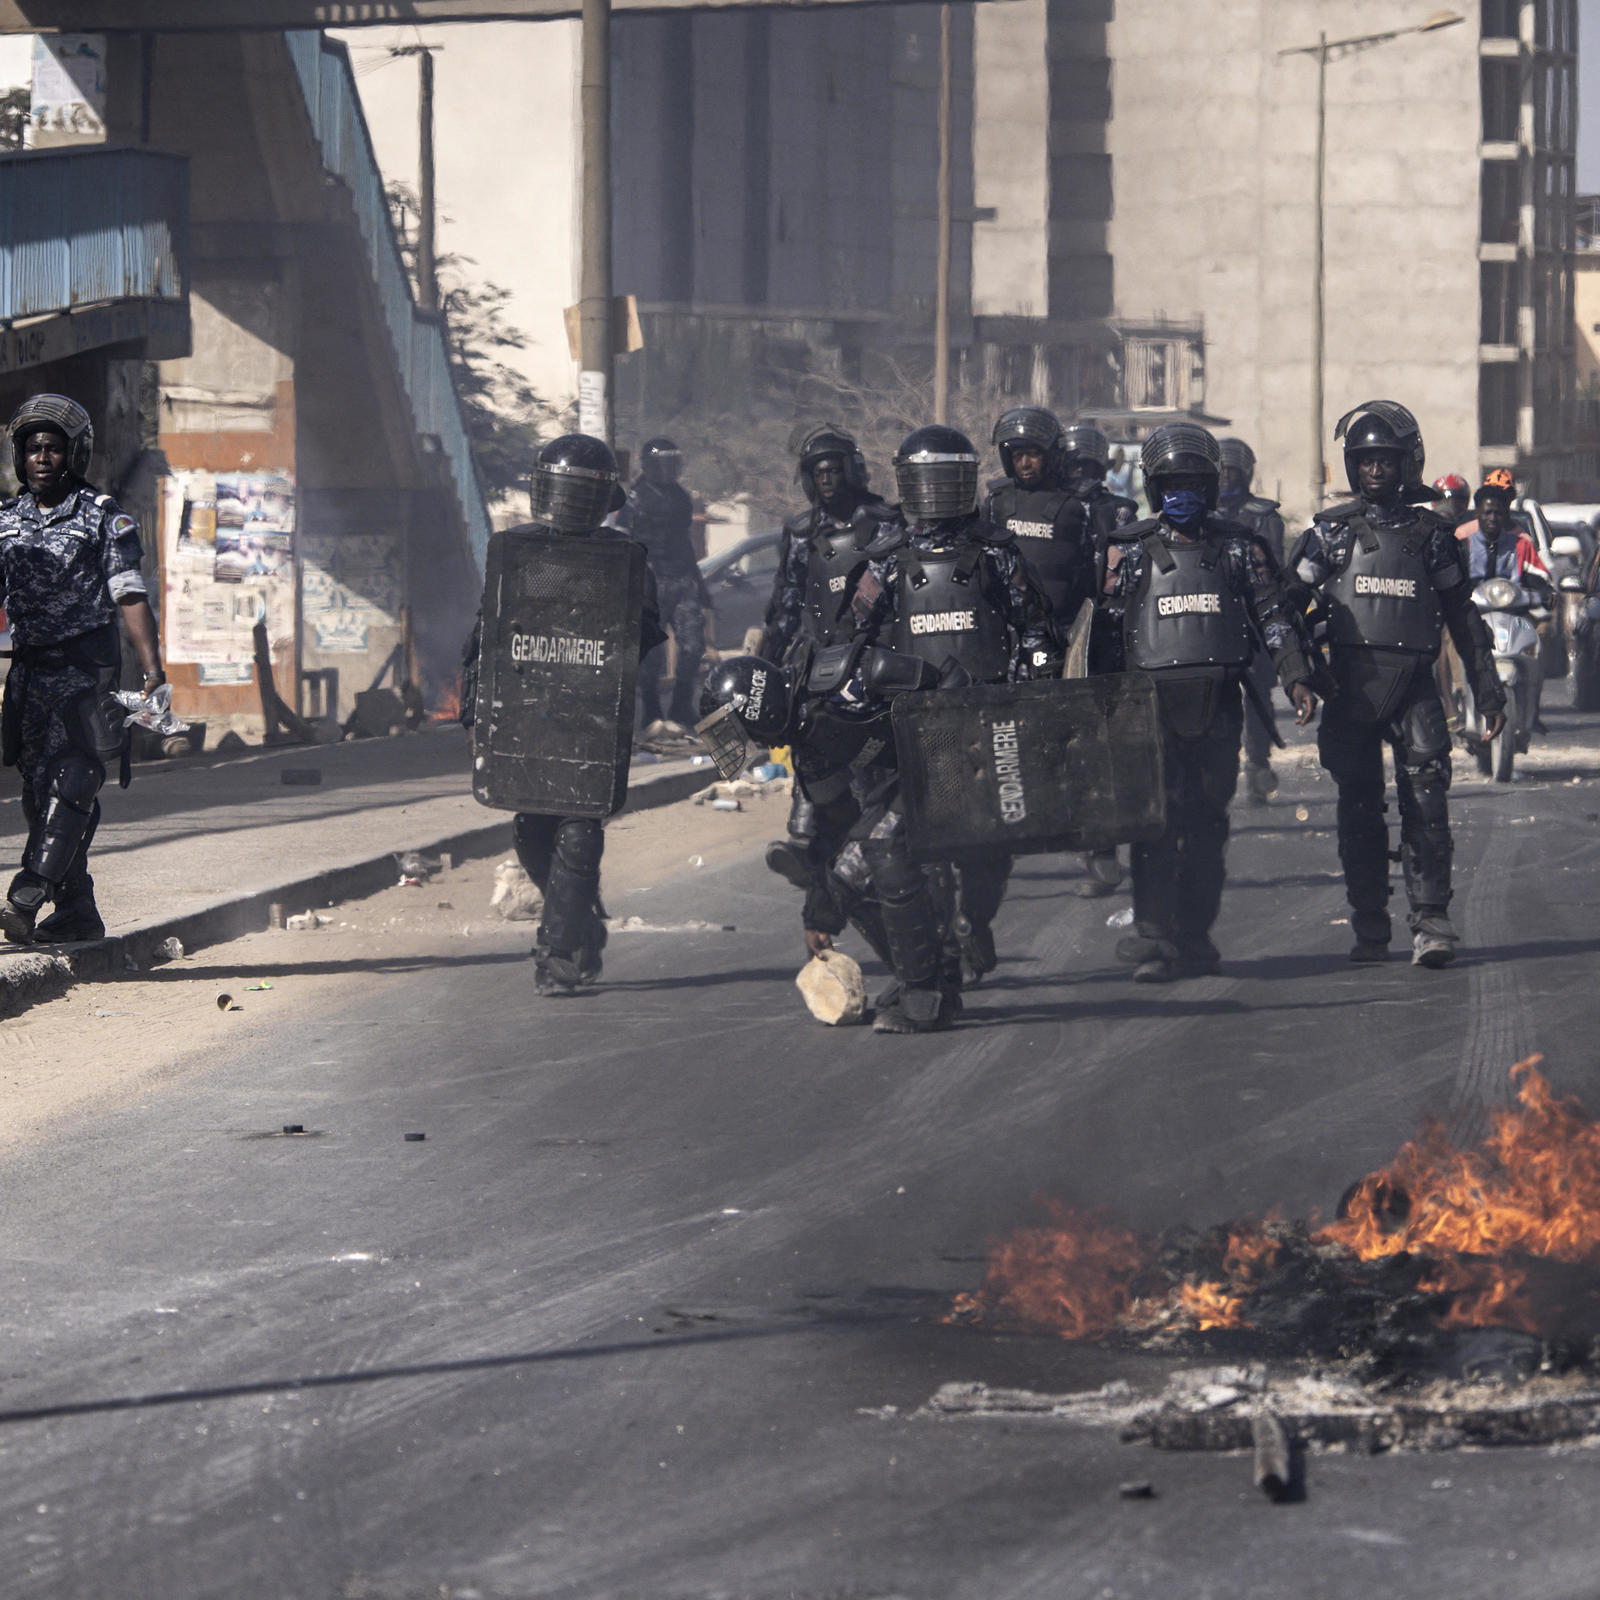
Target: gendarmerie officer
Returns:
[[947, 587], [574, 486], [1389, 575], [1197, 594], [1085, 460], [820, 555], [659, 514], [1035, 507], [1236, 499], [1059, 526], [69, 566]]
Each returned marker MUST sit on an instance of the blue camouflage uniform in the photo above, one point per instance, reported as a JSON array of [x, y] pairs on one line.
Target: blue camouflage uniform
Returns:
[[63, 570]]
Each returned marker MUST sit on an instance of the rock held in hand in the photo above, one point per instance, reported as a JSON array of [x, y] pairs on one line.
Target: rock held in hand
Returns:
[[833, 989]]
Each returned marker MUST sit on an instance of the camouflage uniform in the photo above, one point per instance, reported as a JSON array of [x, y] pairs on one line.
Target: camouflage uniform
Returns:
[[63, 571]]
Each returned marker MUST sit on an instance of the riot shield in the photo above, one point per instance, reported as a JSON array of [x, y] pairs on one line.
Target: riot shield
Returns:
[[1061, 764], [556, 672]]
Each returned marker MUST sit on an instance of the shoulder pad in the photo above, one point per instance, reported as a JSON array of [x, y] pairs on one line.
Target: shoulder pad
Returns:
[[799, 523], [891, 536], [1338, 513], [1431, 519], [1260, 503], [876, 509], [995, 485], [1221, 527], [1132, 532]]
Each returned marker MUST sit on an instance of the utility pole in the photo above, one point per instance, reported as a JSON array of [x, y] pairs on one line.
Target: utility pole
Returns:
[[941, 304], [427, 250], [1323, 50], [594, 287]]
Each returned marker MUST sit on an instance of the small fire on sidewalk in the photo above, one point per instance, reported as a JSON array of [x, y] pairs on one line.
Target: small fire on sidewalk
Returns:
[[1505, 1234]]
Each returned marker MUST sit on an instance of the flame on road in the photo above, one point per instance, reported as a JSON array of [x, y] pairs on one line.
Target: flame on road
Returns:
[[1490, 1223]]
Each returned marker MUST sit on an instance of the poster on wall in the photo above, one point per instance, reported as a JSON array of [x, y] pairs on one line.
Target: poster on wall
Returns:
[[229, 560], [350, 584], [68, 98]]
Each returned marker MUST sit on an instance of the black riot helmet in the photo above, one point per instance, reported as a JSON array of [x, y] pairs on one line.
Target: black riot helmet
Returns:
[[1238, 457], [57, 414], [1180, 449], [574, 483], [936, 473], [826, 441], [660, 460], [1385, 425], [743, 698], [1085, 450], [1028, 425]]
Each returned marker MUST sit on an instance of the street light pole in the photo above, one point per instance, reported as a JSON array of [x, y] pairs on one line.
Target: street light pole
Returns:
[[427, 205], [941, 303], [594, 286], [1322, 50]]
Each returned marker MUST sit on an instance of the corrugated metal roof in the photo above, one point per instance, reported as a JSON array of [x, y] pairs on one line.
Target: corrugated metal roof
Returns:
[[81, 226]]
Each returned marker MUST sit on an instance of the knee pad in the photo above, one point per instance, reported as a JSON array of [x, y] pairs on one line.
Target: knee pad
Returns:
[[579, 843], [895, 876], [75, 780], [532, 835]]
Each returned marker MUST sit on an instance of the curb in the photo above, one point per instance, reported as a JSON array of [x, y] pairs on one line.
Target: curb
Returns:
[[27, 978]]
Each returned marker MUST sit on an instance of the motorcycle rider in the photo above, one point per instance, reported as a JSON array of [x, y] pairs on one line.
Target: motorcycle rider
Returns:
[[1389, 577], [821, 553], [1452, 505], [946, 587], [1198, 594], [659, 514], [1260, 516], [1498, 548], [574, 486]]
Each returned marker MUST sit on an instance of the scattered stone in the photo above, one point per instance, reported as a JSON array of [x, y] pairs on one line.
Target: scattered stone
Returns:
[[516, 896], [1140, 1490], [170, 949]]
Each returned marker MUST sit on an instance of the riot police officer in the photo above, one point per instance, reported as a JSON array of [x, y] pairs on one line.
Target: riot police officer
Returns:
[[1236, 500], [574, 486], [947, 587], [1198, 593], [1085, 460], [1390, 578], [659, 514], [1059, 523], [1033, 504], [820, 555], [70, 562]]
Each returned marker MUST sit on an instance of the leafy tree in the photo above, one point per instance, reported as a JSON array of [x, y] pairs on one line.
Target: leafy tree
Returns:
[[16, 111], [502, 410]]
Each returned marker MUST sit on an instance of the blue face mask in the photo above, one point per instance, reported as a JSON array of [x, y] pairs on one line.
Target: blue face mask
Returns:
[[1183, 507]]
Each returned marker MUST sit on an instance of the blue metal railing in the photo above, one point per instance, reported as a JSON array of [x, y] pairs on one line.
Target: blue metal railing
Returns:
[[83, 226], [417, 341]]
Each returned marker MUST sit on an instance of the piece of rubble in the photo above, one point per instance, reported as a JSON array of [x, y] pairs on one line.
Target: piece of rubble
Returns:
[[516, 896], [833, 989]]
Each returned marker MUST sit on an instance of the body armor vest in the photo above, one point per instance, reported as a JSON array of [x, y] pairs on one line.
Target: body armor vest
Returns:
[[1051, 538], [941, 611], [834, 560], [1185, 612], [1383, 597], [1106, 512], [1261, 517]]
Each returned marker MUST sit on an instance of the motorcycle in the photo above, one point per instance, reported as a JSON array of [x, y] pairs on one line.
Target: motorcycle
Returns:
[[1513, 614]]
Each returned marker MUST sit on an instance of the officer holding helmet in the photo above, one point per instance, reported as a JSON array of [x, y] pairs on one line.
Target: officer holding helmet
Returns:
[[820, 556], [660, 515], [574, 487], [1390, 580], [69, 568]]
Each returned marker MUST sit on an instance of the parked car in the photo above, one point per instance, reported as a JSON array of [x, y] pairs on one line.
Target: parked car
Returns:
[[739, 582]]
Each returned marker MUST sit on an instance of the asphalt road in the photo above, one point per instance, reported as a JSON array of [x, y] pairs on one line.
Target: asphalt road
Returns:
[[666, 1251]]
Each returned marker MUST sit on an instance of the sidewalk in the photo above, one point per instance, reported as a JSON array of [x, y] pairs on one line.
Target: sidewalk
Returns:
[[199, 849]]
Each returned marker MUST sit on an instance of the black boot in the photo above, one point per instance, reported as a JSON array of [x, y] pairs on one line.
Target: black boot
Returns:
[[76, 918], [22, 905]]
